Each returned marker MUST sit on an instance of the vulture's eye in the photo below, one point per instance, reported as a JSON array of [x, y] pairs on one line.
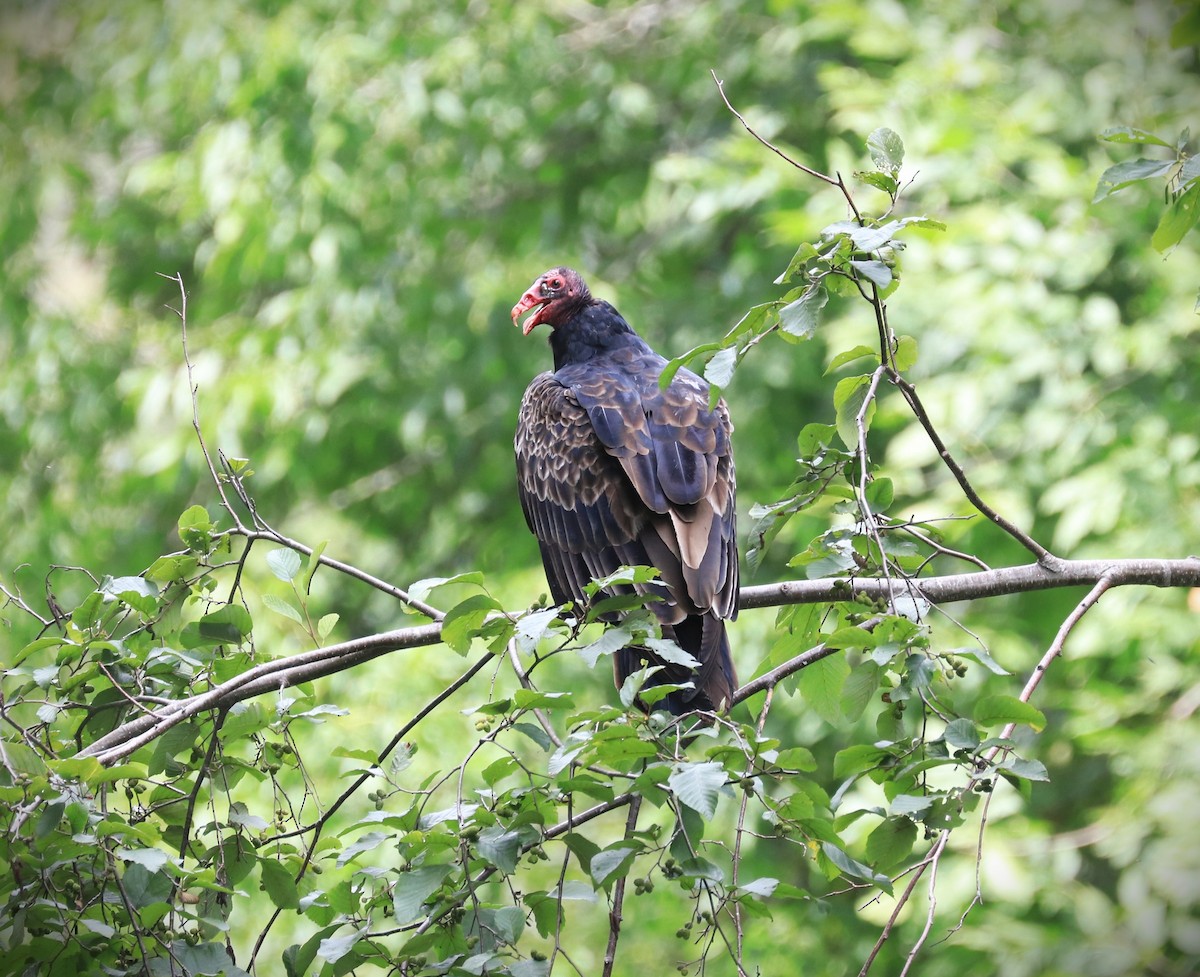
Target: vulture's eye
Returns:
[[556, 284]]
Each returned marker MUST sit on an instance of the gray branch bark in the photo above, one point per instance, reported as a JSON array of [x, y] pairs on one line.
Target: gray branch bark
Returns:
[[311, 665]]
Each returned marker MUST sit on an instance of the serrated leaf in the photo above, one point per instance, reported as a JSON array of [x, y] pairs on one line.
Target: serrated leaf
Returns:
[[284, 563], [981, 656], [669, 651], [606, 864], [905, 355], [326, 625], [796, 758], [366, 842], [876, 272], [805, 253], [763, 888], [333, 948], [821, 686], [226, 625], [699, 785], [1181, 216], [800, 318], [856, 759], [853, 867], [1026, 769], [1128, 134], [529, 699], [719, 370], [500, 847], [850, 355], [961, 734], [413, 888], [998, 710], [858, 690], [279, 884], [313, 563], [891, 842], [910, 804], [464, 618], [886, 149], [881, 181], [1121, 175], [421, 589], [280, 606]]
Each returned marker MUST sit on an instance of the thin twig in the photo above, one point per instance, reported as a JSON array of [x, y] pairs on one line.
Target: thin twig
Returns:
[[614, 915], [832, 181]]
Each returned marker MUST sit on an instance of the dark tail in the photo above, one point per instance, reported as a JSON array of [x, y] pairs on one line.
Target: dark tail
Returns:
[[703, 637]]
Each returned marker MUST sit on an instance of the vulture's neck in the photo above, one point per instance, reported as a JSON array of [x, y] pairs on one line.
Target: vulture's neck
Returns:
[[592, 331]]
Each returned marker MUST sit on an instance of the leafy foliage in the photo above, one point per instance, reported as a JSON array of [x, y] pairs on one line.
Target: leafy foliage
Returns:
[[338, 184]]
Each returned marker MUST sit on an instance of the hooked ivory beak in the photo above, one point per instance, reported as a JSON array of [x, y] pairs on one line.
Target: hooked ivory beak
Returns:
[[529, 300]]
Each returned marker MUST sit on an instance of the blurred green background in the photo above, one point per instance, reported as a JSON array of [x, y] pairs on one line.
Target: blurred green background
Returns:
[[355, 193]]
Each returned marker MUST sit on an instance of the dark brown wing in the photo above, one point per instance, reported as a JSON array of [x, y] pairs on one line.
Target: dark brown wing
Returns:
[[613, 471], [586, 515], [677, 455]]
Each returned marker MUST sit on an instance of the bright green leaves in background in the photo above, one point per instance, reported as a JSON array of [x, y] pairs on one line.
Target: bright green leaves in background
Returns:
[[354, 195]]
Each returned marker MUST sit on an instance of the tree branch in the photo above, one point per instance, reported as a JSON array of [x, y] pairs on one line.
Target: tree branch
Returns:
[[308, 666]]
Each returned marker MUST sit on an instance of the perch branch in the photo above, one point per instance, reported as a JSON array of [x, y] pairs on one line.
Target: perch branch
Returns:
[[311, 665]]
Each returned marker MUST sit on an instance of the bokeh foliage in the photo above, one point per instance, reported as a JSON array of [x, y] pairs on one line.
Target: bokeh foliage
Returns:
[[355, 193]]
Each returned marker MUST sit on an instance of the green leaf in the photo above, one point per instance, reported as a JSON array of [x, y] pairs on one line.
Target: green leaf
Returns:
[[1026, 769], [195, 528], [151, 859], [804, 254], [530, 968], [719, 370], [961, 734], [1180, 217], [284, 563], [848, 398], [858, 690], [368, 841], [465, 618], [413, 888], [998, 710], [853, 868], [857, 759], [881, 181], [1121, 175], [821, 686], [905, 355], [886, 149], [326, 625], [850, 355], [876, 272], [800, 318], [137, 592], [279, 884], [226, 625], [313, 563], [608, 863], [277, 604], [699, 785], [981, 656], [333, 948], [795, 758], [421, 589], [500, 847], [1127, 134], [891, 842]]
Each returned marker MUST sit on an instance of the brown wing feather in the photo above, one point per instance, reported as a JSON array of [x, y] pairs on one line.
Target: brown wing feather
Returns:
[[614, 471]]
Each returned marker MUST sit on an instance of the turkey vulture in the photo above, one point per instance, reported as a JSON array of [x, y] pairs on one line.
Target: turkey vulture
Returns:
[[614, 471]]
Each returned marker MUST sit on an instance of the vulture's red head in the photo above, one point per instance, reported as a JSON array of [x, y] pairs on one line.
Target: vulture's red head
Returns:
[[557, 294]]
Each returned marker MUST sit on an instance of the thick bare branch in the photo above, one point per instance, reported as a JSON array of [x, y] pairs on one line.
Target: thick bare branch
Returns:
[[286, 672]]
